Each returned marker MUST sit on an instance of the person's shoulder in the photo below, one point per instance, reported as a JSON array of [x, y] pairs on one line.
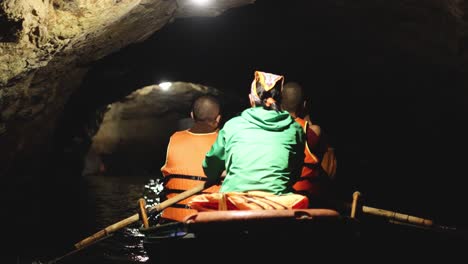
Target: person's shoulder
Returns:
[[234, 120], [296, 128], [228, 124], [296, 124], [316, 128], [234, 124], [179, 133]]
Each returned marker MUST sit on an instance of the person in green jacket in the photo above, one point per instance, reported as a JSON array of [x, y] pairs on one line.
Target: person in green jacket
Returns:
[[263, 148]]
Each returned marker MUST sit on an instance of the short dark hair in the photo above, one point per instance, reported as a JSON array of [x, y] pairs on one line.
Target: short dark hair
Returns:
[[292, 97], [205, 108]]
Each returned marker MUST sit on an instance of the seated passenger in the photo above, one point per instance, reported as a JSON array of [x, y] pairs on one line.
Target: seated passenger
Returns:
[[262, 152]]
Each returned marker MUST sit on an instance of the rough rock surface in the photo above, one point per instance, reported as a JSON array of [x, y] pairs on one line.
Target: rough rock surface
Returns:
[[46, 48], [129, 138]]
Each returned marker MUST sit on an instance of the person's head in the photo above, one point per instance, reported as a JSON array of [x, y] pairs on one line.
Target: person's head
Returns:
[[206, 109], [293, 99], [266, 90]]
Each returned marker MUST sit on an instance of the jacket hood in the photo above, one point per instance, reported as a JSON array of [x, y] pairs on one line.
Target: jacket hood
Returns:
[[268, 119]]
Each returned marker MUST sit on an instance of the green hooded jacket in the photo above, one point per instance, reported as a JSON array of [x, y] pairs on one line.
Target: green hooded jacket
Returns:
[[260, 150]]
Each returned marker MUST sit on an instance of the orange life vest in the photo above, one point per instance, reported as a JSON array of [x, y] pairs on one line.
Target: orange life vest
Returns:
[[310, 170], [183, 169]]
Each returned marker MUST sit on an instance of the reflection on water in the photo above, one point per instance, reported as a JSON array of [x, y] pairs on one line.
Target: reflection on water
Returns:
[[152, 192], [92, 203], [152, 196]]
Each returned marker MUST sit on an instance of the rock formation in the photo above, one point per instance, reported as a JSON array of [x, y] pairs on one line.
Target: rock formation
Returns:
[[46, 49]]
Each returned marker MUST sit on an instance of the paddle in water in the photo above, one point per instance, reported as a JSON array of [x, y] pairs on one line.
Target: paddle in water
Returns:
[[109, 230]]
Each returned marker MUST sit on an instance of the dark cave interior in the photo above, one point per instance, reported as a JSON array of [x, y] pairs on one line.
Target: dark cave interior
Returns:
[[391, 103]]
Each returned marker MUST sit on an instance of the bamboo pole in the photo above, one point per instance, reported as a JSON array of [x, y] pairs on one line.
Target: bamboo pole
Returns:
[[109, 230], [397, 216], [142, 205], [354, 205], [129, 220]]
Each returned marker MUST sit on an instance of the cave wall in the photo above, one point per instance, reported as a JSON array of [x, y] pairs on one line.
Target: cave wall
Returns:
[[134, 133], [46, 49]]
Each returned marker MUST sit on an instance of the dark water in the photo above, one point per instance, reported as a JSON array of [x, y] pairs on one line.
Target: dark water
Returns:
[[43, 220], [47, 219], [55, 214]]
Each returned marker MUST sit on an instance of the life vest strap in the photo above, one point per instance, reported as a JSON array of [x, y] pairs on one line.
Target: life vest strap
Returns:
[[182, 206], [187, 177], [168, 191]]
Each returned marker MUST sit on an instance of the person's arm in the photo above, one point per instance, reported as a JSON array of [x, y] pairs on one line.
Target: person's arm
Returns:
[[313, 136], [214, 162], [316, 141], [315, 128], [163, 168]]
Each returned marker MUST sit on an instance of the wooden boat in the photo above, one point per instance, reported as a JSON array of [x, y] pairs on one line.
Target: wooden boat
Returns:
[[254, 235], [291, 236], [301, 235]]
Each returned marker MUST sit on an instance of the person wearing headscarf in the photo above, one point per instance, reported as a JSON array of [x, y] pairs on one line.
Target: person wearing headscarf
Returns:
[[262, 152]]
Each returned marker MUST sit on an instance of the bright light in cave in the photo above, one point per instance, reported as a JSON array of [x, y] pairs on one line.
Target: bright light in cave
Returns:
[[201, 2], [165, 85]]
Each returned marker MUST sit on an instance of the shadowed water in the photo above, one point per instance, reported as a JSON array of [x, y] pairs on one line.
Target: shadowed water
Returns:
[[48, 218], [57, 218]]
